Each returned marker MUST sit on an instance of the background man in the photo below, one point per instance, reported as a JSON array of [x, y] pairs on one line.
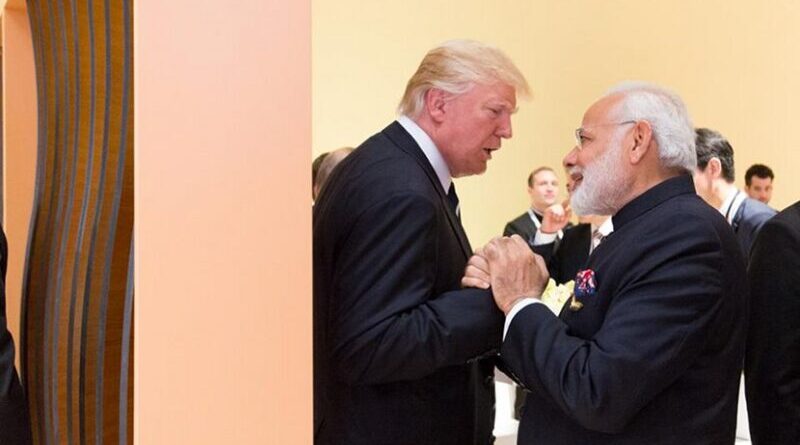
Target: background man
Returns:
[[397, 344], [329, 162], [545, 220], [650, 347], [772, 363], [758, 182], [15, 428], [713, 180]]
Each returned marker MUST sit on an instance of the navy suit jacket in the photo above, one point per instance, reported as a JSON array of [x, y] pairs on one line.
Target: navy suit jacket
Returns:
[[522, 226], [397, 344], [570, 256], [15, 426], [772, 363], [654, 356], [751, 215]]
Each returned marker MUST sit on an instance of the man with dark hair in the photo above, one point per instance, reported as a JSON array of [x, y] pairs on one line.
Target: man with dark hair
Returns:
[[713, 180], [772, 363], [545, 219], [758, 182]]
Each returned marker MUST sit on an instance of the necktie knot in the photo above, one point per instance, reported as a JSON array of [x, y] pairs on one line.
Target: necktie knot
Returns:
[[597, 238]]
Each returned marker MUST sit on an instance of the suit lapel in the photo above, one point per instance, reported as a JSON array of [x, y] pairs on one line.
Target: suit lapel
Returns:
[[397, 134]]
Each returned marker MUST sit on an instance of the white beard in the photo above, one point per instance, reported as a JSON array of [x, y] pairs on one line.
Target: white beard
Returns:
[[603, 184]]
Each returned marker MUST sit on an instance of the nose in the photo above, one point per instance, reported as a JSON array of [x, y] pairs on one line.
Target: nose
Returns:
[[570, 158], [504, 130]]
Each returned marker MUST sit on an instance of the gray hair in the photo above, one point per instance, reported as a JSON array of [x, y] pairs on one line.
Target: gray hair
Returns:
[[454, 67], [668, 117]]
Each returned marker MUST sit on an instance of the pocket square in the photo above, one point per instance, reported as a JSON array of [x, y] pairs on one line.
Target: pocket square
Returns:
[[585, 284]]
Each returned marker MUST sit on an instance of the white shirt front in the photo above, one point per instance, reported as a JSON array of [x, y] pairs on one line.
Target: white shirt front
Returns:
[[731, 204], [430, 149]]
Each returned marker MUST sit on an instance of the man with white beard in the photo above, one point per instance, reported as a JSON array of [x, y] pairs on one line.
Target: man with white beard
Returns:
[[649, 348]]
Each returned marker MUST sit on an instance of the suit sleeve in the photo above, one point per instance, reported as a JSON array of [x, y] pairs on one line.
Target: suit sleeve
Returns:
[[772, 361], [655, 326], [387, 324], [511, 229]]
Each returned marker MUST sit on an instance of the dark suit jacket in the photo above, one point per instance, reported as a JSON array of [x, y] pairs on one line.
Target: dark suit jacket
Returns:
[[772, 363], [396, 342], [655, 355], [564, 261], [747, 221], [522, 226], [15, 426]]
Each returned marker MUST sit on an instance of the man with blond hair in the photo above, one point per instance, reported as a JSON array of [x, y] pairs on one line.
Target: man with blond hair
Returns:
[[401, 353], [649, 347]]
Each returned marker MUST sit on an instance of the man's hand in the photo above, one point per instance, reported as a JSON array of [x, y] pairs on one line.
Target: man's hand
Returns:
[[476, 273], [555, 218], [515, 271]]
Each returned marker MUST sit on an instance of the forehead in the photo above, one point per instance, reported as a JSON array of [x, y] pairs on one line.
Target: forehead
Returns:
[[498, 92], [760, 181], [601, 110], [545, 175]]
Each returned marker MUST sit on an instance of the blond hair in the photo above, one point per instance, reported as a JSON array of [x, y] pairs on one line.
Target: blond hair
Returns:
[[454, 67]]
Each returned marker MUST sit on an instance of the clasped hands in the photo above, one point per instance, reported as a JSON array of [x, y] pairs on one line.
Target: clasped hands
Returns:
[[510, 268]]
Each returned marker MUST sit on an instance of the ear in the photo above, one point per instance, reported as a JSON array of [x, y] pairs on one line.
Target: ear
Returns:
[[435, 100], [642, 140], [714, 168]]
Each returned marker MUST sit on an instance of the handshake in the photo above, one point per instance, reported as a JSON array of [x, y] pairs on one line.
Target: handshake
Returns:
[[510, 268]]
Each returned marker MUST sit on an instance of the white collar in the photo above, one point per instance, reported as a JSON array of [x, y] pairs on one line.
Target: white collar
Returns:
[[732, 203], [429, 148], [606, 228]]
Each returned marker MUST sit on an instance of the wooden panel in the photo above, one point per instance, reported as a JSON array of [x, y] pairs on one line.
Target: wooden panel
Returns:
[[77, 298]]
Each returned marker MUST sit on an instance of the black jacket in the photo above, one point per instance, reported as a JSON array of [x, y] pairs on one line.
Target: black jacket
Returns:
[[396, 341], [772, 363], [655, 353], [15, 426]]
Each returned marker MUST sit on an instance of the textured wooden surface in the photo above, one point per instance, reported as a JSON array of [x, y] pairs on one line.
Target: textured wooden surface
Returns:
[[77, 302]]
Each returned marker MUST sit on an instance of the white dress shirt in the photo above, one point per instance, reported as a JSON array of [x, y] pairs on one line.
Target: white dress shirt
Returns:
[[429, 148]]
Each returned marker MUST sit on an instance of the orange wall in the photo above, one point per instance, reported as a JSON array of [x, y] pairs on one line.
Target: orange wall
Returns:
[[19, 151], [223, 245]]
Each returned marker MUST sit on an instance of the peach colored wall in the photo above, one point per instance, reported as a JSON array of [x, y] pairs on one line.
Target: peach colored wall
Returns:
[[19, 150], [223, 245]]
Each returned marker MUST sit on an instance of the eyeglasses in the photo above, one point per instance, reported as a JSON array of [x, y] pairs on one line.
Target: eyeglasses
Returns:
[[579, 137]]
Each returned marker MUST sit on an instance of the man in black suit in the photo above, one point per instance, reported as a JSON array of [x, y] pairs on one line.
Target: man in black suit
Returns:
[[402, 355], [649, 349], [772, 363], [545, 219], [713, 180], [15, 428]]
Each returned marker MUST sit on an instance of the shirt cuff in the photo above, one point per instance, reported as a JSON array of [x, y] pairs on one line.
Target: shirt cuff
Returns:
[[521, 304], [544, 238]]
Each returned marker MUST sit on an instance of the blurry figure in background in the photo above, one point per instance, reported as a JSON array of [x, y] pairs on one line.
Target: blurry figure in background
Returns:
[[758, 182], [772, 361], [566, 259], [545, 220], [332, 159], [15, 428], [314, 171], [713, 180]]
